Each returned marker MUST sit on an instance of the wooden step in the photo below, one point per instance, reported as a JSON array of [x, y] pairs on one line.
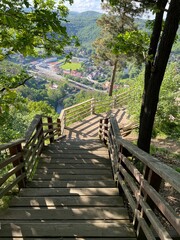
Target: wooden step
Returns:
[[54, 177], [71, 184], [68, 213], [61, 230], [76, 150], [73, 171], [60, 201], [72, 196], [81, 155], [75, 146], [69, 238], [73, 166], [68, 192], [82, 160]]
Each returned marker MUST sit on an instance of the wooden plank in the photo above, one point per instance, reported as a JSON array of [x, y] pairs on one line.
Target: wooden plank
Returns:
[[68, 213], [11, 144], [50, 230], [11, 172], [68, 191], [77, 105], [75, 160], [71, 184], [74, 171], [164, 171], [77, 155], [86, 201], [11, 159], [76, 151], [73, 166], [71, 238], [76, 146], [59, 177]]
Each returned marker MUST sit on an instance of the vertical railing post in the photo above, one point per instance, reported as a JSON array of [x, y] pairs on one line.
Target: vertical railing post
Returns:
[[105, 132], [64, 120], [40, 126], [59, 127], [155, 181], [114, 101], [92, 106], [100, 128], [50, 128], [14, 150]]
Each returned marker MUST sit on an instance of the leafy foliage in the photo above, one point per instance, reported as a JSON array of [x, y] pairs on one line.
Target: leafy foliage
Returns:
[[14, 123], [119, 40], [24, 26], [132, 43], [161, 41], [30, 28], [167, 115]]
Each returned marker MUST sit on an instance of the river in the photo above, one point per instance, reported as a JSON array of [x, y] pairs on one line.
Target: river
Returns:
[[59, 108]]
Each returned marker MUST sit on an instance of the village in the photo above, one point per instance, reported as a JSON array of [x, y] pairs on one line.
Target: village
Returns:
[[80, 70]]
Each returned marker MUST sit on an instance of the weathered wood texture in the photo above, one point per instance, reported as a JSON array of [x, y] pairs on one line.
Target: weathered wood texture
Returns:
[[88, 127], [139, 176], [72, 195], [23, 153]]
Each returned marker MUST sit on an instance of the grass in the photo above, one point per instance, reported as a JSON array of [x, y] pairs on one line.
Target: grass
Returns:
[[71, 66], [168, 157], [164, 152]]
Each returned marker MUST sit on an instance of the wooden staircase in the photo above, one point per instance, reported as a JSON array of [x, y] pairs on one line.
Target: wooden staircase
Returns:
[[72, 195]]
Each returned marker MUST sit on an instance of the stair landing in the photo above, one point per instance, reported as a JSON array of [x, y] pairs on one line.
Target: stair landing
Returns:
[[88, 127]]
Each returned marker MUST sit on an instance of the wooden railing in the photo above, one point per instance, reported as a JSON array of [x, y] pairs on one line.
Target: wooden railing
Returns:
[[139, 176], [92, 106], [18, 159]]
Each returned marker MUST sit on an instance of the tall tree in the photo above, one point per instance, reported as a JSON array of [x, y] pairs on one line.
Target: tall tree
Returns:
[[161, 42], [155, 70], [114, 22]]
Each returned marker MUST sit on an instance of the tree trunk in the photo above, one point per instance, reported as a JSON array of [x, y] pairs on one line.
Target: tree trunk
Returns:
[[160, 63], [113, 78], [155, 38]]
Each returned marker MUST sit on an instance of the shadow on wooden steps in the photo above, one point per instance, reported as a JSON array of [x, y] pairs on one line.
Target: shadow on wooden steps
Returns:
[[72, 195]]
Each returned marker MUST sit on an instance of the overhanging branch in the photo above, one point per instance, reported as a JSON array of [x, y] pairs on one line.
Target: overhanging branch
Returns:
[[18, 85]]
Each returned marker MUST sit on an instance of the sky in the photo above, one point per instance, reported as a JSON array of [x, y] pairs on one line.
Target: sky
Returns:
[[85, 5]]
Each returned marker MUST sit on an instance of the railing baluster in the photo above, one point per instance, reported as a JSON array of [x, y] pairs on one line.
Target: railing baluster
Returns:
[[51, 130], [105, 132], [59, 126], [14, 150], [141, 186], [92, 106], [41, 135], [100, 133]]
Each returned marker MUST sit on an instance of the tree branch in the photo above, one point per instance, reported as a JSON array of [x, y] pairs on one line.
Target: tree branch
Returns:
[[18, 85]]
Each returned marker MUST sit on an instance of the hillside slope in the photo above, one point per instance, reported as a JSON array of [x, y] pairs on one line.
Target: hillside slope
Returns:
[[84, 26]]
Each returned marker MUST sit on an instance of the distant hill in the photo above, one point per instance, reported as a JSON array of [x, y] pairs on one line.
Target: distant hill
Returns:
[[84, 26]]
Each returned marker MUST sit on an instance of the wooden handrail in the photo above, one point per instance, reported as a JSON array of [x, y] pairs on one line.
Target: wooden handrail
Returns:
[[77, 105], [18, 158], [91, 106], [139, 176], [11, 144], [26, 151]]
